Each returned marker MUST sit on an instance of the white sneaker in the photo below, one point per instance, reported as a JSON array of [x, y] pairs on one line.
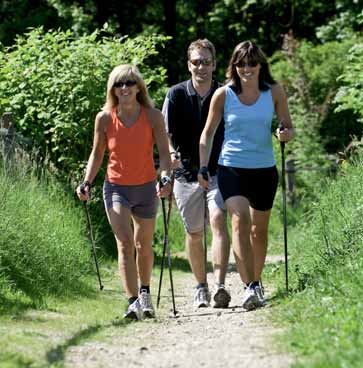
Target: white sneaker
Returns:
[[221, 297], [202, 297], [146, 305], [250, 299], [134, 311], [260, 294]]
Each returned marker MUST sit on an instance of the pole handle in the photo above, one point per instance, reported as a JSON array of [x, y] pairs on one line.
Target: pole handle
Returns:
[[281, 129]]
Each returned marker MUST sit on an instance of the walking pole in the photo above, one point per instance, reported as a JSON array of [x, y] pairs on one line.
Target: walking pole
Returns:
[[282, 146], [90, 231], [162, 257], [205, 177], [166, 249], [170, 265], [93, 244], [205, 232]]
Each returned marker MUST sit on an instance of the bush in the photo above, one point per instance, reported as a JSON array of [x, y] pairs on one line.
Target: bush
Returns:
[[350, 94], [310, 75], [55, 84]]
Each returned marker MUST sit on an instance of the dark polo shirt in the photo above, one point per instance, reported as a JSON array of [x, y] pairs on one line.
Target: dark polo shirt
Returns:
[[185, 114]]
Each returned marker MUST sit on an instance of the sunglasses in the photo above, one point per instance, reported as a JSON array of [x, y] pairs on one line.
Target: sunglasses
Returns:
[[242, 64], [128, 83], [197, 62]]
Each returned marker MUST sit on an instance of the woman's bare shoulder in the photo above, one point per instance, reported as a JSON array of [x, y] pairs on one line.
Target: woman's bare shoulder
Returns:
[[154, 115], [277, 90], [103, 115], [103, 119], [154, 112], [220, 91], [219, 96]]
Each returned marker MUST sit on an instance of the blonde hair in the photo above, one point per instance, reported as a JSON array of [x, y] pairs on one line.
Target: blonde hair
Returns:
[[122, 73]]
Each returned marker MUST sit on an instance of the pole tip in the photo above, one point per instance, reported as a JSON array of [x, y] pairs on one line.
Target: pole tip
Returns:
[[174, 314]]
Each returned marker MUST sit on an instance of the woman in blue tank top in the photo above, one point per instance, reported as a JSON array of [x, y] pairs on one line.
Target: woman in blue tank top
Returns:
[[247, 174]]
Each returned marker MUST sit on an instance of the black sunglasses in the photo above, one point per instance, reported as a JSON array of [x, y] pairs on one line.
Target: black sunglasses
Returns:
[[128, 83], [197, 62], [242, 64]]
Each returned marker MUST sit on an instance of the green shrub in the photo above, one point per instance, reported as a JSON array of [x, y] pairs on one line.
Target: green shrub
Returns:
[[310, 71], [55, 84], [310, 74], [350, 94]]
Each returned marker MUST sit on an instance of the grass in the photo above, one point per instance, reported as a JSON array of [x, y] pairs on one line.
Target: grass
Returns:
[[323, 313], [40, 337], [43, 246], [49, 298], [38, 334], [49, 302]]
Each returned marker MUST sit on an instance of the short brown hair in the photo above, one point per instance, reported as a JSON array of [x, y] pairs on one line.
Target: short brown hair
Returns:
[[202, 44]]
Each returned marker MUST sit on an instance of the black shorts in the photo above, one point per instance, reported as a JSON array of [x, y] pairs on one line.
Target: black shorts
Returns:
[[257, 185]]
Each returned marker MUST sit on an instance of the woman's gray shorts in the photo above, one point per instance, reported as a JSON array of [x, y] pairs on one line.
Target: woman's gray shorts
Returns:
[[140, 199]]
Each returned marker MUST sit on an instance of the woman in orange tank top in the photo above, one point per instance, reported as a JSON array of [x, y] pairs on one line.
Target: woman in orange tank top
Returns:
[[128, 127]]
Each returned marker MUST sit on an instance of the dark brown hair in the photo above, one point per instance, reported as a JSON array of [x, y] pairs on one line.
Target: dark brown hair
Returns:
[[250, 51]]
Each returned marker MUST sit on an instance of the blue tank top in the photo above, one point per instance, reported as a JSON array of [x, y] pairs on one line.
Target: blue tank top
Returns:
[[247, 136]]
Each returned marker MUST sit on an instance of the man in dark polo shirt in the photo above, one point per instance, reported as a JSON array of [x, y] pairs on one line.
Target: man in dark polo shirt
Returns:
[[185, 111]]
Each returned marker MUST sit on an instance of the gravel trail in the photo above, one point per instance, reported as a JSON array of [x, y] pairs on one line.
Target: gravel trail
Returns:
[[206, 337]]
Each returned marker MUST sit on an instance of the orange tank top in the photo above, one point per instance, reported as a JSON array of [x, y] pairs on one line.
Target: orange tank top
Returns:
[[130, 160]]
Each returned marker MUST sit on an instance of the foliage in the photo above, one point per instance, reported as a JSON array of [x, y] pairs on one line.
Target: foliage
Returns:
[[306, 151], [225, 22], [326, 267], [310, 71], [43, 248], [311, 164], [344, 24], [310, 75], [176, 231], [18, 15], [350, 94], [75, 17], [55, 84]]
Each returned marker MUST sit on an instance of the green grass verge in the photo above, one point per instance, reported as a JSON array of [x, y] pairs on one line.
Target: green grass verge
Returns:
[[323, 314], [43, 245], [41, 337]]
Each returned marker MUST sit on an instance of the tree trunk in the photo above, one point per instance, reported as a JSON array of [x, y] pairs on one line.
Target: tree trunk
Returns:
[[170, 30]]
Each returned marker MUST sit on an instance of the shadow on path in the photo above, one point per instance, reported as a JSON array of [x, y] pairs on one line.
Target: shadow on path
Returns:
[[57, 354]]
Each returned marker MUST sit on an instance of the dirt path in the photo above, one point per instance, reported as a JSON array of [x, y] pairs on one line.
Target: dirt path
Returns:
[[206, 337]]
